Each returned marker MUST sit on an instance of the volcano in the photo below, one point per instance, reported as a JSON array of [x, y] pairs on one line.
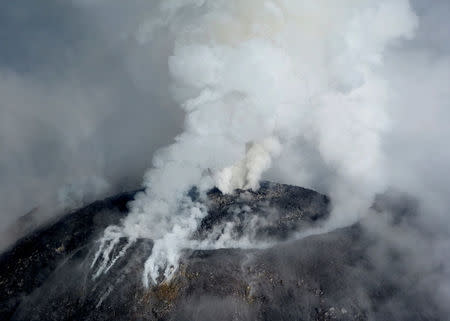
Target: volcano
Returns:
[[50, 274]]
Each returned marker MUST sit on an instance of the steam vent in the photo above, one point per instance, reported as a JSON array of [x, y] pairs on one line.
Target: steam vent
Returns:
[[48, 275]]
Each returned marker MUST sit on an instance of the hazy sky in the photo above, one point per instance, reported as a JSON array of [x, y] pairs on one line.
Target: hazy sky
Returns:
[[82, 106]]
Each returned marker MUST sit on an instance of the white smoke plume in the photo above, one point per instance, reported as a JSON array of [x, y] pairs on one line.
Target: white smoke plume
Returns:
[[247, 172], [256, 79]]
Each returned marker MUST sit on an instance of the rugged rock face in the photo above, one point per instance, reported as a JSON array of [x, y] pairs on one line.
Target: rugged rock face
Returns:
[[48, 276]]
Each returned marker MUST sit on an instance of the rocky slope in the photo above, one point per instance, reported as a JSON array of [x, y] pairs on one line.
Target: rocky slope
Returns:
[[48, 275]]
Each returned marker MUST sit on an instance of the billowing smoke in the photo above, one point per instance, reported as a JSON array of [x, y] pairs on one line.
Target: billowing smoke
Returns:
[[255, 78], [247, 172]]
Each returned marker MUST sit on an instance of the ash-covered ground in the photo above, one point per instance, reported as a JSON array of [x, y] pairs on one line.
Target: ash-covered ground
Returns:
[[347, 274]]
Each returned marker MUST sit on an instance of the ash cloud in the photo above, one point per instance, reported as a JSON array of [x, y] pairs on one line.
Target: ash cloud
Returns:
[[247, 73]]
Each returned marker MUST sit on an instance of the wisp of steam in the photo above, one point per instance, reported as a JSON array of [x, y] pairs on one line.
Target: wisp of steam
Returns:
[[254, 77]]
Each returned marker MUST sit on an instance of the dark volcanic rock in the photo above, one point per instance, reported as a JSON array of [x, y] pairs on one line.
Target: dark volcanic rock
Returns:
[[33, 260], [48, 275], [283, 208]]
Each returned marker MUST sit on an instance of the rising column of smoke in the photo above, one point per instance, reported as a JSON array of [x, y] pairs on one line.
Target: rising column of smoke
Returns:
[[253, 78]]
